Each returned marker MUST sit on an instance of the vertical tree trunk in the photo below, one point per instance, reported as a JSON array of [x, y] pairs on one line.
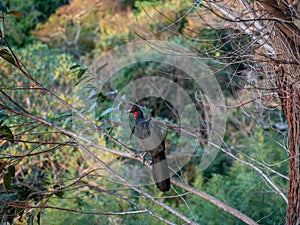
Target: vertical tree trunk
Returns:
[[285, 39], [290, 98], [293, 213]]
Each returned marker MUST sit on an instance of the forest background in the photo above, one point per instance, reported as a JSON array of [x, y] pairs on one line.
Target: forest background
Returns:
[[46, 179]]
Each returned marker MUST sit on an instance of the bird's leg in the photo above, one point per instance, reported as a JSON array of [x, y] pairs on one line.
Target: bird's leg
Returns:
[[143, 156], [151, 152]]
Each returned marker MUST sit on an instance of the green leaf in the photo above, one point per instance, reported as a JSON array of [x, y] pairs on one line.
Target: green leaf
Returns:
[[11, 170], [5, 146], [5, 132], [80, 80], [95, 96], [20, 212], [107, 111], [23, 193], [2, 7], [100, 68], [68, 120], [2, 30], [3, 117], [106, 138], [5, 54], [81, 72], [74, 67], [65, 114], [59, 193], [8, 197], [92, 106], [30, 218], [10, 219], [38, 216], [101, 97], [15, 13], [7, 181]]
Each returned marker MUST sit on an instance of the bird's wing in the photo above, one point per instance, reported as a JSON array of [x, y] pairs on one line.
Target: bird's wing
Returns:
[[155, 141]]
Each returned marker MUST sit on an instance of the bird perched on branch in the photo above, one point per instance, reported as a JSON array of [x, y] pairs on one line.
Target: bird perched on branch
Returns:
[[152, 141]]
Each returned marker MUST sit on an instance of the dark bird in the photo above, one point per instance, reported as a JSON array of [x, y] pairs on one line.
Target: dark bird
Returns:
[[151, 139]]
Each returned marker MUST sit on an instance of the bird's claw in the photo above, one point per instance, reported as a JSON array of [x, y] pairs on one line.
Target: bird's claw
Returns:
[[143, 155]]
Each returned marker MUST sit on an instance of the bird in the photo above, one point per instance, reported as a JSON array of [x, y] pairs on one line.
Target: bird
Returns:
[[151, 140]]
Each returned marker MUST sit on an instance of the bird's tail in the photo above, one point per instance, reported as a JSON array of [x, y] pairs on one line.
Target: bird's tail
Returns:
[[160, 171]]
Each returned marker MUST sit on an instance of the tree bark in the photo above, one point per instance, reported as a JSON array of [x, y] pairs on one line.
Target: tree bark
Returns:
[[285, 40]]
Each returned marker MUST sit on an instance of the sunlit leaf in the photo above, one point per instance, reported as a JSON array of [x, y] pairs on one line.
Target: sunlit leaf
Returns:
[[114, 92], [92, 106], [92, 94], [74, 67], [2, 30], [5, 54], [68, 120], [5, 132], [107, 111], [15, 13], [199, 3]]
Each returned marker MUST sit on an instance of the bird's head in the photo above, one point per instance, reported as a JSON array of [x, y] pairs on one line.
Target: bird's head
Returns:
[[136, 111]]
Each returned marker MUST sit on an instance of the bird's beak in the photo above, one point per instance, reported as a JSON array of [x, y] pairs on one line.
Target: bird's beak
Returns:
[[130, 110]]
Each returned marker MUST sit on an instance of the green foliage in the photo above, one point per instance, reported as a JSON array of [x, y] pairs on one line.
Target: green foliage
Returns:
[[7, 181], [99, 31], [48, 65], [18, 28], [242, 188], [5, 131], [58, 191], [5, 54], [51, 68]]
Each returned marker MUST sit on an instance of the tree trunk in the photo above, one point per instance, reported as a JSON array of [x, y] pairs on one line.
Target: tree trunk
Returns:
[[285, 40]]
